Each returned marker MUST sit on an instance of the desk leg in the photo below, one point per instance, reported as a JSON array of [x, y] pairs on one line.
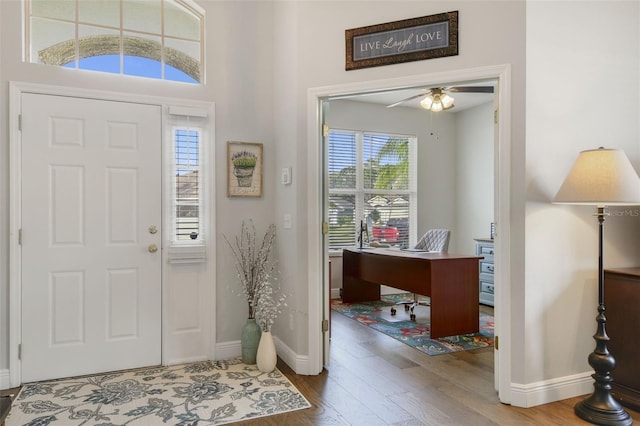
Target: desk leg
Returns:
[[355, 290], [455, 307]]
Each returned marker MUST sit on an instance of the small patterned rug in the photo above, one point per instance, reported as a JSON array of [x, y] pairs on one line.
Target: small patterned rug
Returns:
[[202, 393], [377, 315]]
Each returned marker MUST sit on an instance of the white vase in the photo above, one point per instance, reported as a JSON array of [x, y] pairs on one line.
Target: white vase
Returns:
[[266, 357]]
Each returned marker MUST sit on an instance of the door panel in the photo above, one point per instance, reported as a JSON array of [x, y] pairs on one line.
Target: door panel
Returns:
[[91, 187]]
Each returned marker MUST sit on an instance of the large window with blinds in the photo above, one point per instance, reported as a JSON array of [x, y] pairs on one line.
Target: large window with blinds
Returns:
[[372, 179]]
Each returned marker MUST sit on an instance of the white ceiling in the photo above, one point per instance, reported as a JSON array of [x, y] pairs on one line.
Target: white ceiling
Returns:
[[462, 101]]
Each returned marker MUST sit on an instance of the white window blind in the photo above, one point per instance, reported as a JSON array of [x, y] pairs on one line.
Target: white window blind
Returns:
[[186, 183], [187, 143], [371, 175]]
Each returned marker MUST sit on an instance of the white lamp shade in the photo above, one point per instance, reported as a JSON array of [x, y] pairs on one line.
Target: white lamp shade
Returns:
[[602, 177]]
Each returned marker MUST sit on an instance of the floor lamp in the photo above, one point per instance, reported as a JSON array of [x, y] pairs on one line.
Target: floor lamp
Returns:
[[601, 177]]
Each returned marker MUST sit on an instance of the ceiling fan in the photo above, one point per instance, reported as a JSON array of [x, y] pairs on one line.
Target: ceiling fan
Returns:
[[437, 99]]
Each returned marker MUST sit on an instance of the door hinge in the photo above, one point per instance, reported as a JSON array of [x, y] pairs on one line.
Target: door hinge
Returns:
[[496, 345], [20, 122], [495, 116], [20, 236], [325, 228], [325, 326], [19, 350], [325, 130]]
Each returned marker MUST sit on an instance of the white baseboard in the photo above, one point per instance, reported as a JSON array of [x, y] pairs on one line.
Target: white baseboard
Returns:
[[5, 382], [298, 363], [553, 390], [226, 350]]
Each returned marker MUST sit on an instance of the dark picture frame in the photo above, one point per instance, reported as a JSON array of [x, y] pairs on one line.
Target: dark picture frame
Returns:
[[244, 169], [415, 39]]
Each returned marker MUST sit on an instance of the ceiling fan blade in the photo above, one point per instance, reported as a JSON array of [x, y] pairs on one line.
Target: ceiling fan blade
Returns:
[[471, 89], [408, 99]]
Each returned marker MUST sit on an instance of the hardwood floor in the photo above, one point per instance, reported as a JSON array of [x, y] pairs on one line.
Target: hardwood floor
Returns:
[[375, 380]]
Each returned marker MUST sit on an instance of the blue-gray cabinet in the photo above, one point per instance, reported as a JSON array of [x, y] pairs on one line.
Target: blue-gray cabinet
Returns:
[[484, 248]]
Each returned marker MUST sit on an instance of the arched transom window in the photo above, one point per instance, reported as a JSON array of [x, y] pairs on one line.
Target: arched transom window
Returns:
[[151, 38]]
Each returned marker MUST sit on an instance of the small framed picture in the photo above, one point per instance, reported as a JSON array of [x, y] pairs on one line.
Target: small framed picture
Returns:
[[244, 169]]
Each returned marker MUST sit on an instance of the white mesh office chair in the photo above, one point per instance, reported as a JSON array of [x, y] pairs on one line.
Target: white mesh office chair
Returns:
[[434, 240]]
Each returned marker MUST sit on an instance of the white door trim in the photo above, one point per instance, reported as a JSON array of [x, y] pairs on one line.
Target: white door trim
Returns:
[[501, 201], [15, 262]]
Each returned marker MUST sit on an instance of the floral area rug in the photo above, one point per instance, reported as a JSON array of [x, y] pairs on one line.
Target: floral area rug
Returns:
[[377, 315], [202, 393]]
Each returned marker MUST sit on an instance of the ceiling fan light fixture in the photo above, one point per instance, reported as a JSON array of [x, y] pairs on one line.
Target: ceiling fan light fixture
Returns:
[[437, 101], [447, 101], [427, 102], [436, 106]]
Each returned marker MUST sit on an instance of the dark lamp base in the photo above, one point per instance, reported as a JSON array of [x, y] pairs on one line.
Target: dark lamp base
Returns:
[[602, 410]]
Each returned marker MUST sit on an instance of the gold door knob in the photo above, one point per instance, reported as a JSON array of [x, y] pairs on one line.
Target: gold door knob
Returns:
[[153, 248], [153, 229]]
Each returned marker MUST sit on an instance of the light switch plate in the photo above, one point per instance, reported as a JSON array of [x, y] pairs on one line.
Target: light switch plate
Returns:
[[286, 175]]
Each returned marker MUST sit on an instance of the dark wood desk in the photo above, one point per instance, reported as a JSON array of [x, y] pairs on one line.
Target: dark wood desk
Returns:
[[450, 280]]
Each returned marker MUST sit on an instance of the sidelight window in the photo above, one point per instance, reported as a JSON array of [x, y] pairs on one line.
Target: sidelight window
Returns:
[[187, 129]]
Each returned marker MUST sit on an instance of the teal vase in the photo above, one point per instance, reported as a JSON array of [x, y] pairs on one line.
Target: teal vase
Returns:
[[250, 341]]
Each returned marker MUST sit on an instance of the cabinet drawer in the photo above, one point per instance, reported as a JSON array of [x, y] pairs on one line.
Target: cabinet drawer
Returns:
[[486, 251], [486, 299], [486, 268], [487, 278], [486, 287]]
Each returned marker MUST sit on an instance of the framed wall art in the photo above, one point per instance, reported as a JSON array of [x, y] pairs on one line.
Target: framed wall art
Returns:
[[244, 169], [427, 37]]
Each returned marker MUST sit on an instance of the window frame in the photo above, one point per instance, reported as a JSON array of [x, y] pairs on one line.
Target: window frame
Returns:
[[174, 195], [108, 43], [189, 251], [359, 191]]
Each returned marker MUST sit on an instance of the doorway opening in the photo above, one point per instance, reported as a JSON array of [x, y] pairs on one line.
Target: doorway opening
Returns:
[[319, 102]]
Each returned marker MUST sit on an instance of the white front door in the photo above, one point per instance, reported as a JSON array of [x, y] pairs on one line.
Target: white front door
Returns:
[[91, 216]]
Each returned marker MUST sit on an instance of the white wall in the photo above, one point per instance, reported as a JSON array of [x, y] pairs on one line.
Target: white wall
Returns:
[[437, 176], [576, 53], [474, 176]]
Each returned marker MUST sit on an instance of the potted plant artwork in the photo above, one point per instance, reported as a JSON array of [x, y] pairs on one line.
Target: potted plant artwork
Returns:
[[244, 163]]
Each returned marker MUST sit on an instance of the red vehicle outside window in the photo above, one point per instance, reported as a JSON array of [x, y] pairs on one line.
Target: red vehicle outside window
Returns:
[[385, 234]]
